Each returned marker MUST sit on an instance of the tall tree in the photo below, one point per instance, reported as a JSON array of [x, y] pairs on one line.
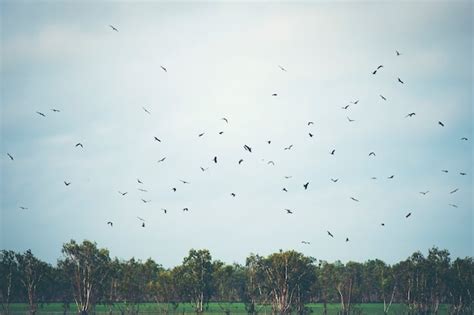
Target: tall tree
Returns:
[[8, 275]]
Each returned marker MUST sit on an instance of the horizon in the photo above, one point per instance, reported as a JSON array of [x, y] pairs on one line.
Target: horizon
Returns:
[[174, 70]]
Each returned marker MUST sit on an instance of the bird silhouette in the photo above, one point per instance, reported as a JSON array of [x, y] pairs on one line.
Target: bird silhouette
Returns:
[[345, 107], [156, 139], [41, 114], [288, 177], [246, 147], [397, 52], [288, 147], [347, 239], [66, 183], [173, 189], [201, 134], [225, 119], [310, 134], [399, 80], [453, 205], [184, 182], [453, 191], [23, 208], [164, 210], [424, 192], [310, 123], [141, 189], [305, 242], [204, 169], [334, 180], [409, 214], [462, 173], [350, 120], [146, 110], [269, 141], [221, 132], [164, 69], [185, 209], [79, 145], [357, 200], [464, 138], [274, 94], [444, 171], [10, 156], [284, 189], [271, 162], [372, 153], [55, 110], [110, 223], [440, 123], [383, 97], [281, 68], [333, 151], [382, 224], [123, 193], [139, 181], [288, 211], [113, 28], [146, 201], [215, 159], [232, 194], [141, 219], [391, 177], [162, 159], [355, 102], [240, 161], [143, 224], [330, 234], [306, 186], [410, 115]]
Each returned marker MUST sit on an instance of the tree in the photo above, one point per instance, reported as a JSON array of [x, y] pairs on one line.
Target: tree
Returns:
[[86, 267], [229, 285], [255, 290], [8, 273], [31, 271]]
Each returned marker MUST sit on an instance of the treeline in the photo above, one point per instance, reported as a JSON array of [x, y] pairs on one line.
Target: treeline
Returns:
[[87, 276]]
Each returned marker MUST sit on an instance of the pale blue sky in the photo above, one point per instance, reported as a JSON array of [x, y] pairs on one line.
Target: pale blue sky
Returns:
[[222, 61]]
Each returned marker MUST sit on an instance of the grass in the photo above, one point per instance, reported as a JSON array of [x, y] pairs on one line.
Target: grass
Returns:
[[215, 308]]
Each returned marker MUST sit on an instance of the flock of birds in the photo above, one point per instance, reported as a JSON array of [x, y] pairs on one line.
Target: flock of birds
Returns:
[[249, 149]]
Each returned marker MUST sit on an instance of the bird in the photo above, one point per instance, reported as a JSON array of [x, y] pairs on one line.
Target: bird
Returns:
[[334, 180], [240, 161], [464, 138], [41, 114], [79, 145], [288, 147], [310, 134], [141, 219], [185, 209], [284, 189], [357, 200], [173, 189], [306, 186], [146, 110], [355, 103], [110, 223], [374, 72], [232, 194], [288, 211], [374, 177], [269, 141], [381, 66], [271, 162], [201, 134], [23, 208], [203, 169], [274, 94], [66, 183], [162, 159], [347, 239], [225, 119], [246, 147], [55, 110], [139, 181], [143, 224], [453, 191], [444, 171], [156, 139], [113, 28], [146, 201], [215, 159], [310, 123], [424, 192], [305, 242], [184, 182], [288, 177], [164, 69], [453, 205], [409, 214], [281, 68], [164, 210], [410, 115], [345, 107], [141, 189], [221, 132], [333, 151], [10, 156], [397, 52], [350, 120], [123, 193], [462, 173], [440, 123], [399, 80], [372, 153], [383, 97], [391, 177], [382, 224], [330, 234]]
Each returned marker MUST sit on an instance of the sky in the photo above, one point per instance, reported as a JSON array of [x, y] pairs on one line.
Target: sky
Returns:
[[223, 59]]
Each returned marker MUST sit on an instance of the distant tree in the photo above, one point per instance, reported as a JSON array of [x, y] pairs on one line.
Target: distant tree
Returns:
[[256, 294], [379, 283], [8, 275], [86, 266], [165, 290], [31, 271], [229, 285], [461, 288]]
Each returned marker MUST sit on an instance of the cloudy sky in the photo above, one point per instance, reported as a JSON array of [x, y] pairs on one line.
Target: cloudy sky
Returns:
[[223, 60]]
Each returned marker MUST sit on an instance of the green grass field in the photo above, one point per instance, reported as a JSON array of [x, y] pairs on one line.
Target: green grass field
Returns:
[[214, 308]]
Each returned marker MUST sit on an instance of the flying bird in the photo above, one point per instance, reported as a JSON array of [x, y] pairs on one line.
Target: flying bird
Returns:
[[66, 183], [310, 134], [146, 201], [269, 141], [183, 181], [55, 110], [141, 189], [201, 134], [281, 68], [221, 132], [162, 159], [350, 120], [444, 171], [399, 80], [225, 119], [204, 169], [347, 239], [355, 103], [391, 177], [462, 173], [156, 139], [271, 162], [379, 67], [330, 234], [288, 177], [397, 52], [79, 145], [310, 123], [357, 200], [345, 107], [372, 153], [453, 191], [173, 189], [164, 210], [288, 211], [110, 223], [139, 181], [409, 214], [246, 147], [232, 194], [440, 123], [424, 192], [23, 208], [240, 161], [288, 147], [143, 224], [453, 205], [334, 180], [382, 224], [146, 110], [383, 97], [185, 209], [410, 115], [41, 114], [123, 193], [333, 151], [10, 156], [274, 94], [141, 219], [113, 28], [284, 189], [215, 159], [164, 69], [305, 242], [464, 138], [306, 186]]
